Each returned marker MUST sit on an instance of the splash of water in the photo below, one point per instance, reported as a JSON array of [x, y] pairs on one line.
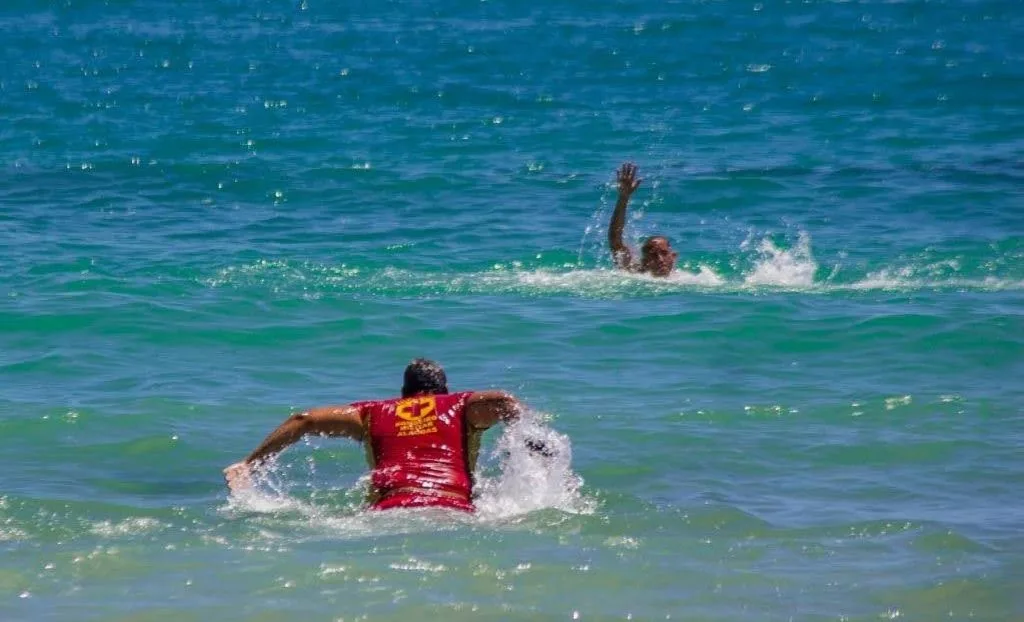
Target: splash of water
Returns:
[[534, 472], [793, 267], [773, 267]]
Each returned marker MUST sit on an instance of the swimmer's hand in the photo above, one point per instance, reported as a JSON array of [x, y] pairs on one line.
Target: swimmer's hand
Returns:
[[238, 476], [540, 448], [628, 181]]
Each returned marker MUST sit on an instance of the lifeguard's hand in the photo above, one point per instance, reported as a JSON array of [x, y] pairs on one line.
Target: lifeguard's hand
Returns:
[[238, 476], [539, 447], [628, 181]]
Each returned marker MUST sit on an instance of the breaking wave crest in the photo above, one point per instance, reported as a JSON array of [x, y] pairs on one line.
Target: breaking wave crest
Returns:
[[761, 265]]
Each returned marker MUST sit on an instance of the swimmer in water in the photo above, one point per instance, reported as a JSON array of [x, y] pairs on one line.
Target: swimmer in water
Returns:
[[656, 255], [422, 447]]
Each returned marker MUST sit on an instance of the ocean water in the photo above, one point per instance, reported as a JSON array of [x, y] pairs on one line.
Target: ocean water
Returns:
[[214, 213]]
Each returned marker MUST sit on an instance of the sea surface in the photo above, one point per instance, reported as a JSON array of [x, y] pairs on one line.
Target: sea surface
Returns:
[[213, 214]]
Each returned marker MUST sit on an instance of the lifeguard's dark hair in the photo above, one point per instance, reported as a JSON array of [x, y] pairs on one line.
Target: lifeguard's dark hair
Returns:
[[423, 376]]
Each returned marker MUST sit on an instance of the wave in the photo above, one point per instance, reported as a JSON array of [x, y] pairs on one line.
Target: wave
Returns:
[[763, 265]]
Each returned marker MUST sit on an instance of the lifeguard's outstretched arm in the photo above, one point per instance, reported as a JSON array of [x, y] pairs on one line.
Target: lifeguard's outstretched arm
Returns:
[[325, 421]]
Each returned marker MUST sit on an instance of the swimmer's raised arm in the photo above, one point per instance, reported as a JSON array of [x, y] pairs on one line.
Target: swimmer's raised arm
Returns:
[[622, 255]]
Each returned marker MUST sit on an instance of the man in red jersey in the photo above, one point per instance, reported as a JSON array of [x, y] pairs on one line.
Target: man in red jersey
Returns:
[[422, 447], [656, 255]]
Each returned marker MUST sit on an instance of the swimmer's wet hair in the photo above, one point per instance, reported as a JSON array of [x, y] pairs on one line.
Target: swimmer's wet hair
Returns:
[[424, 376], [651, 240]]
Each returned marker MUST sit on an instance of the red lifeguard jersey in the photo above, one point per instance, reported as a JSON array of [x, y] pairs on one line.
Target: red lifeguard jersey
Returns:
[[421, 451]]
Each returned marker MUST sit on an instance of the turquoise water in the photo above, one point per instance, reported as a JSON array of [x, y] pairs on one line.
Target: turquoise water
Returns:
[[214, 213]]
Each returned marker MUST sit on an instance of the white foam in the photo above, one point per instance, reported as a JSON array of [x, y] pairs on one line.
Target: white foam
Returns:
[[773, 267], [885, 279], [599, 281], [705, 277], [527, 480], [793, 267], [12, 534], [261, 502], [266, 494], [127, 527], [906, 278]]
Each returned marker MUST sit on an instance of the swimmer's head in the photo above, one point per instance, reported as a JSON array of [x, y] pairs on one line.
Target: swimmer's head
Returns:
[[657, 256], [424, 377]]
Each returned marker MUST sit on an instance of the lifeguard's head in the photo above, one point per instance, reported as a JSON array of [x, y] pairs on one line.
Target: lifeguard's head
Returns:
[[424, 377]]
